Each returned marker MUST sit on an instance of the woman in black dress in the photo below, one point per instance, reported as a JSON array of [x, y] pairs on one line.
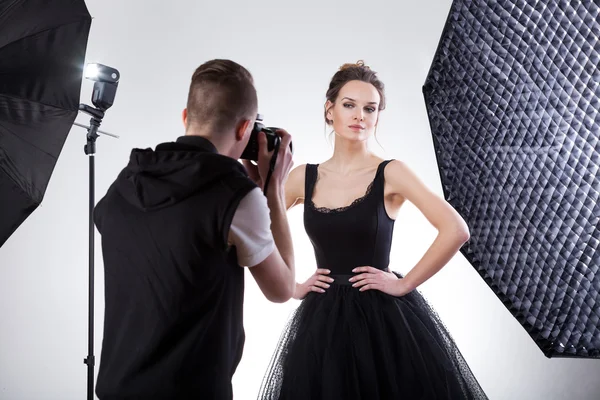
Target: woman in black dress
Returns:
[[362, 332]]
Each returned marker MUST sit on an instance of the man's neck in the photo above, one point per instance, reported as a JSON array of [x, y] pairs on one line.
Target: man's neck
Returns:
[[222, 146]]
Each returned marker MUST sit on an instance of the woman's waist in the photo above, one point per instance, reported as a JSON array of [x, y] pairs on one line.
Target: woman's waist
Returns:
[[342, 278], [347, 265]]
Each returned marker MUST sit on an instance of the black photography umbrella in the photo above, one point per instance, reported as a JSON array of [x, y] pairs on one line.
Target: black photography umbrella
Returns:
[[42, 51], [513, 98]]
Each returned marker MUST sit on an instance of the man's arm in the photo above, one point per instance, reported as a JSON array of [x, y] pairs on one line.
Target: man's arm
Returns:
[[275, 275], [260, 232]]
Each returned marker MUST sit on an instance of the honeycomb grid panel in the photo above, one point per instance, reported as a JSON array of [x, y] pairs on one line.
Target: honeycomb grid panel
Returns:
[[513, 98]]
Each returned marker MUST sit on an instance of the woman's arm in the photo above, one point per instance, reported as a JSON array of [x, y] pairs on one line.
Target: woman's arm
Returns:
[[294, 187], [294, 195], [453, 232]]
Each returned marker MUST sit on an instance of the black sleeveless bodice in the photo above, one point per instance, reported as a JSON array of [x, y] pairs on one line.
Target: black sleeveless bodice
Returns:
[[356, 235]]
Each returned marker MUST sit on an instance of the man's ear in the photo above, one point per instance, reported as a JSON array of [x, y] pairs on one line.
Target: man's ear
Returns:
[[241, 129], [184, 116]]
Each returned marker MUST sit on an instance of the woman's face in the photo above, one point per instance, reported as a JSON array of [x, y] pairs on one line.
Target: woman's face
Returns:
[[356, 111]]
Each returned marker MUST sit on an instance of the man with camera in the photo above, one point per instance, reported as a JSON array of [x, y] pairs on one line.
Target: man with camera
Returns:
[[177, 225]]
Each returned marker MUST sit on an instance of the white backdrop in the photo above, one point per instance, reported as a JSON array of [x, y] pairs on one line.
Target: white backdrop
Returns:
[[292, 50]]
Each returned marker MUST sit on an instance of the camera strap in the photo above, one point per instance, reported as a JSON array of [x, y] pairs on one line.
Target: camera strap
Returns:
[[272, 163]]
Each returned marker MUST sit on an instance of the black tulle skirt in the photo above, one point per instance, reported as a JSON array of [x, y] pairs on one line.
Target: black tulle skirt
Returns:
[[346, 344]]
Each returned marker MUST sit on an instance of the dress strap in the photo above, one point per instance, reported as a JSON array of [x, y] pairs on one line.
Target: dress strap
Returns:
[[382, 166], [380, 176]]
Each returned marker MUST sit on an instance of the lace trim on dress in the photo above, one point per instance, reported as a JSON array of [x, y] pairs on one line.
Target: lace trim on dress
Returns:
[[344, 208]]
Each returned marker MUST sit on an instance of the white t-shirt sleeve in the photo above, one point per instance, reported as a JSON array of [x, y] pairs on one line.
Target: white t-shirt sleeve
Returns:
[[250, 230]]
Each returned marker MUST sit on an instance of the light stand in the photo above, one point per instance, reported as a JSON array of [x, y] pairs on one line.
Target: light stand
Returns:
[[105, 89]]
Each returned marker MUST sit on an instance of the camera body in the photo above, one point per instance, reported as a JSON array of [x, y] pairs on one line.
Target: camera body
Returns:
[[273, 140]]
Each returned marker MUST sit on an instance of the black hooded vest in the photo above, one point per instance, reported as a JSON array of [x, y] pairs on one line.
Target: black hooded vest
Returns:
[[173, 287]]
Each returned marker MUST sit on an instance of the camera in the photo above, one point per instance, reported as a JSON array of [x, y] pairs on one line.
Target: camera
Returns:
[[273, 140]]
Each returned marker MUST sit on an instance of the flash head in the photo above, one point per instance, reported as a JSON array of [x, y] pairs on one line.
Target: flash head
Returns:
[[101, 73]]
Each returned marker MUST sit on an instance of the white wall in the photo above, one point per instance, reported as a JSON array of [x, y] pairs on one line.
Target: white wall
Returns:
[[43, 266]]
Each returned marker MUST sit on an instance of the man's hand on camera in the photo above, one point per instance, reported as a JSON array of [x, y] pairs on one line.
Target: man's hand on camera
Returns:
[[258, 173], [282, 166]]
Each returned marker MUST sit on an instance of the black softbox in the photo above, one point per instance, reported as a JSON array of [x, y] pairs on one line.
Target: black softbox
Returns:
[[513, 103]]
